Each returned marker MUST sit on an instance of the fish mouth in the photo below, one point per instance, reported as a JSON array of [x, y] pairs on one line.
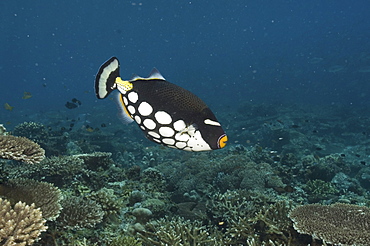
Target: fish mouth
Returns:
[[222, 140]]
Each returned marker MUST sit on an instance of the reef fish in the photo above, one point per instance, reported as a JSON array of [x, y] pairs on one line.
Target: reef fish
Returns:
[[8, 107], [26, 95], [167, 113]]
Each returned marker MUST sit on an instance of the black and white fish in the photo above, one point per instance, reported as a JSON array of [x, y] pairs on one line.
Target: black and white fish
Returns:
[[168, 114]]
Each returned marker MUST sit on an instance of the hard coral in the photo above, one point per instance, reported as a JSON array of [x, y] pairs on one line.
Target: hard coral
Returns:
[[79, 212], [177, 232], [20, 149], [109, 202], [44, 195], [20, 225], [343, 224]]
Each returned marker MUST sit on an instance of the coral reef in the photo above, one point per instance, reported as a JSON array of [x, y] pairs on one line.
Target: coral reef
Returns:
[[177, 232], [139, 194], [20, 149], [342, 224], [79, 212], [21, 224], [3, 130], [124, 241], [35, 131], [110, 203], [44, 195], [318, 190], [53, 142]]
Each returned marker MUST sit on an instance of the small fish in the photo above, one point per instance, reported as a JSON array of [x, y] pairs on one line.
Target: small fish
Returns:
[[26, 95], [76, 101], [89, 129], [168, 114], [8, 107], [71, 105]]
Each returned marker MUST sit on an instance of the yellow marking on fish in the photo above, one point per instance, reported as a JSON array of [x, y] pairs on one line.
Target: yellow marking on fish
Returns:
[[127, 85]]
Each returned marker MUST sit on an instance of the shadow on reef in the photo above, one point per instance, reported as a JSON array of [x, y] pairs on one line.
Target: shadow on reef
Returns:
[[244, 195]]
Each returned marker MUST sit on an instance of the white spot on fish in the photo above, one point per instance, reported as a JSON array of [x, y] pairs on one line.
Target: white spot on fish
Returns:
[[154, 134], [180, 145], [163, 117], [168, 141], [131, 109], [145, 109], [149, 123], [133, 97], [166, 131], [137, 119], [179, 125], [211, 122]]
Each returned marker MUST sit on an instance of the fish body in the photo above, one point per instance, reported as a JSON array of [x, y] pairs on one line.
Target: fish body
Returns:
[[26, 95], [8, 107], [167, 113]]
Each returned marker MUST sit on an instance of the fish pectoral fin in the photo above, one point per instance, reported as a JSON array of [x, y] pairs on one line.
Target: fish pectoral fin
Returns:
[[190, 130]]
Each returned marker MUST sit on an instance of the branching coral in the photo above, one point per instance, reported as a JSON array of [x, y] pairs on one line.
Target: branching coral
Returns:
[[20, 225], [79, 212], [319, 190], [272, 222], [20, 149], [177, 232], [109, 202], [343, 224], [32, 130], [124, 241], [230, 206], [44, 195]]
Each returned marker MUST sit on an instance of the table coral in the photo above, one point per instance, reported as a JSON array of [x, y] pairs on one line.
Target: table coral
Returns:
[[339, 224], [20, 149]]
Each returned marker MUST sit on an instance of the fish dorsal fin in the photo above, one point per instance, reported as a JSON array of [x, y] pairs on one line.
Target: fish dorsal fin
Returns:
[[155, 74], [136, 77]]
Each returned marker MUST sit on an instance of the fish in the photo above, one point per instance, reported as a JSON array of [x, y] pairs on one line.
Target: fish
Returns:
[[76, 101], [167, 113], [70, 105], [26, 95], [73, 104], [8, 107]]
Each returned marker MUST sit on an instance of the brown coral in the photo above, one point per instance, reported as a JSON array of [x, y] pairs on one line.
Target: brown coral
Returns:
[[79, 212], [44, 195], [177, 232], [343, 224], [20, 149], [20, 225]]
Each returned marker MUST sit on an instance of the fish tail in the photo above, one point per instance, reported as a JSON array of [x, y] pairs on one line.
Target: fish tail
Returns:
[[106, 77]]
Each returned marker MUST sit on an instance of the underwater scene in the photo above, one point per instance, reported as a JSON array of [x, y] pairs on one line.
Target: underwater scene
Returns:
[[184, 123]]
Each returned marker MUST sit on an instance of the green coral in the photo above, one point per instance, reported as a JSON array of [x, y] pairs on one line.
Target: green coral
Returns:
[[124, 240], [178, 232], [109, 202], [319, 190]]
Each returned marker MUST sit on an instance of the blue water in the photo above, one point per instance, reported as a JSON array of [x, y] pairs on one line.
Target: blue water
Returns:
[[226, 52]]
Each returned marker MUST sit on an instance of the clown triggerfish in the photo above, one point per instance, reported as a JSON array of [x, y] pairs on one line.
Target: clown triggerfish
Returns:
[[168, 114]]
